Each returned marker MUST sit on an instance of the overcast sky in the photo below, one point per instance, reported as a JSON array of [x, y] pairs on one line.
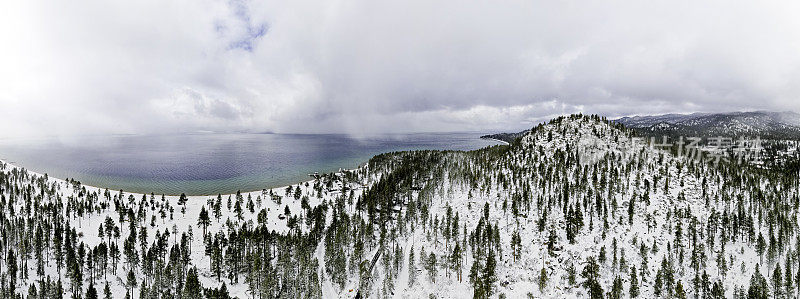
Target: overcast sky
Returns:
[[363, 67]]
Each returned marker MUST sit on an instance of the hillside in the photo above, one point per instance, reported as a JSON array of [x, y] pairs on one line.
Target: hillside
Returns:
[[768, 125], [576, 208]]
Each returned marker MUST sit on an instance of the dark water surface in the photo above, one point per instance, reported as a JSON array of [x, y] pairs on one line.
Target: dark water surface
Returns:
[[200, 164]]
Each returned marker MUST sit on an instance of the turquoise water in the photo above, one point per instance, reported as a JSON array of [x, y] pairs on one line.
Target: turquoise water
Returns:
[[201, 164]]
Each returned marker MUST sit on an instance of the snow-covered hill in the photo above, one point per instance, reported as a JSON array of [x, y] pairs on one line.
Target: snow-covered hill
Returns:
[[577, 208], [768, 125]]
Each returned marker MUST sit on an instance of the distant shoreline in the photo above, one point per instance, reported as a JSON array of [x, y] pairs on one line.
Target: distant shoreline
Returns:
[[99, 189], [498, 140], [176, 190]]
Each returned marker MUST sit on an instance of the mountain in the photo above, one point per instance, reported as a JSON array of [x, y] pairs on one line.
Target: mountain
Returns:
[[767, 125], [575, 208]]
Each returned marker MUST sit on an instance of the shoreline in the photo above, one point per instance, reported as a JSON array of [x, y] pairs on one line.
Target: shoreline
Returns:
[[10, 166], [266, 187], [498, 140]]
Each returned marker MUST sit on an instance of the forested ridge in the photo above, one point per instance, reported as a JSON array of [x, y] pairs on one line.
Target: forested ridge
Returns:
[[574, 208]]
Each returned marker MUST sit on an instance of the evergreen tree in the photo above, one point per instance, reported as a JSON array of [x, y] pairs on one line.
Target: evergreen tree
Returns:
[[107, 291], [192, 288], [777, 282], [717, 292], [489, 276], [203, 220], [758, 286], [32, 292], [633, 291], [455, 261], [591, 274], [412, 268], [91, 292], [680, 293], [131, 282], [616, 289], [571, 274], [430, 266], [542, 279], [761, 244]]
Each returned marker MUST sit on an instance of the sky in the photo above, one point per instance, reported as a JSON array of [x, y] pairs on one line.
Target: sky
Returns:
[[367, 67]]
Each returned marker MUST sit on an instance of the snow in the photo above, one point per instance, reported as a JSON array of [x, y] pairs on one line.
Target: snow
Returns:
[[599, 146]]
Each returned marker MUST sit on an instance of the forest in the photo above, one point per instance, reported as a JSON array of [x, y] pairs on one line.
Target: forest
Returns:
[[572, 208]]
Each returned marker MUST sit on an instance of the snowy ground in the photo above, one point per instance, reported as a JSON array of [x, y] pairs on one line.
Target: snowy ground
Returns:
[[681, 202], [186, 221]]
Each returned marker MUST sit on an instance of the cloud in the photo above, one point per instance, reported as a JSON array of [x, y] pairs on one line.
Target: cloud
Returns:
[[366, 67]]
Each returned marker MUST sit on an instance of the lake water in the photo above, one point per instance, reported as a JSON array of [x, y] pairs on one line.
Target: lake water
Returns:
[[201, 164]]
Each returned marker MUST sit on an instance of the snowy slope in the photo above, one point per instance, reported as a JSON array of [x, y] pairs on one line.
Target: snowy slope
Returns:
[[576, 190]]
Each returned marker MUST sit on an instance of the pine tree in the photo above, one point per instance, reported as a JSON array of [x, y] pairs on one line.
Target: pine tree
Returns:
[[631, 210], [412, 268], [571, 273], [107, 292], [551, 242], [634, 288], [516, 245], [489, 276], [761, 244], [203, 220], [131, 282], [758, 286], [717, 292], [12, 270], [192, 288], [32, 293], [680, 293], [430, 266], [616, 288], [91, 292], [475, 280], [591, 273], [455, 261], [217, 208], [777, 281], [602, 256], [542, 279], [238, 210]]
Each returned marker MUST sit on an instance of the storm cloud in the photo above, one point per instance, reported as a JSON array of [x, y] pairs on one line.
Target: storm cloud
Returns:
[[363, 67]]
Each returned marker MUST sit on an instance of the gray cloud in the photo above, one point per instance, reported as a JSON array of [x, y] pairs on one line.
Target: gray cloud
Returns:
[[366, 67]]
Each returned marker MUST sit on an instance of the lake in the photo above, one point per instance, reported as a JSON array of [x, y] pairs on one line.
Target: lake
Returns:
[[211, 163]]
